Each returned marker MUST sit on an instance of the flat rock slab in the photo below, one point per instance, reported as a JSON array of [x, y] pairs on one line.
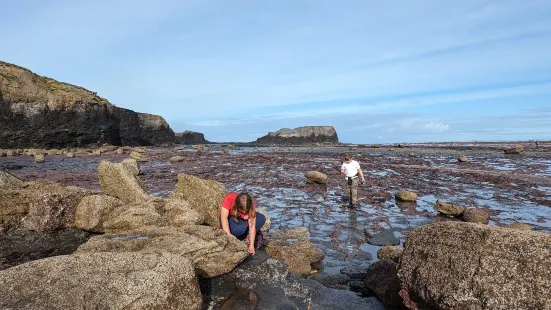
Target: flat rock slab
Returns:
[[386, 237]]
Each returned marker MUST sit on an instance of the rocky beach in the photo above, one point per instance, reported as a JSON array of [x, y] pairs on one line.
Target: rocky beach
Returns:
[[500, 189]]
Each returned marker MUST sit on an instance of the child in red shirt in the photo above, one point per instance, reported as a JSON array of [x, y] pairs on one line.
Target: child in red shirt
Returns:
[[238, 217]]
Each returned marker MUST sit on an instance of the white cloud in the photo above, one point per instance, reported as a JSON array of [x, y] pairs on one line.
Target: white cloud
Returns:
[[433, 127]]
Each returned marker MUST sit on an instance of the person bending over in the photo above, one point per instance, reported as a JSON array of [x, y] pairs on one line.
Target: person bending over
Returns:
[[240, 220]]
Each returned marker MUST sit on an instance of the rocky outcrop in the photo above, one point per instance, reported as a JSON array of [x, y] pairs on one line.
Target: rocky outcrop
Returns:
[[191, 137], [300, 136], [455, 265], [37, 111], [211, 252], [102, 281]]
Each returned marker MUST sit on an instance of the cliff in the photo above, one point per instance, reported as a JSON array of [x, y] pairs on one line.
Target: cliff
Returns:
[[37, 111], [191, 137], [301, 136]]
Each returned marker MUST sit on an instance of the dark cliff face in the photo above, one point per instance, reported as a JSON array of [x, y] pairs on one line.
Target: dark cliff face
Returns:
[[301, 136], [191, 137], [37, 111]]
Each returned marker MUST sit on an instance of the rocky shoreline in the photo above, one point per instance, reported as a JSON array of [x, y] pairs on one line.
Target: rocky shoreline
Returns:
[[511, 191]]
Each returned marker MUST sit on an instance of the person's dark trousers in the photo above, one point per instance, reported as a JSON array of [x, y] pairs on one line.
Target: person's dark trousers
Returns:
[[241, 227]]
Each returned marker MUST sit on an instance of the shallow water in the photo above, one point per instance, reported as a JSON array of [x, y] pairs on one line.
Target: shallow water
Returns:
[[515, 189]]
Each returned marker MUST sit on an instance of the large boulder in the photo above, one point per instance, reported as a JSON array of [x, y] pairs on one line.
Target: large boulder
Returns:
[[448, 208], [118, 181], [293, 247], [42, 112], [191, 137], [456, 265], [39, 205], [211, 252], [93, 211], [204, 196], [102, 281], [406, 196], [316, 177], [301, 135], [517, 149]]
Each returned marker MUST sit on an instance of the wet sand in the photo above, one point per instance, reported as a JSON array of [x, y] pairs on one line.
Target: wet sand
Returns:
[[515, 188]]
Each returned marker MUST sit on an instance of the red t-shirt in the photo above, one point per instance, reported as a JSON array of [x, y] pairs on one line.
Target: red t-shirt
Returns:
[[228, 204]]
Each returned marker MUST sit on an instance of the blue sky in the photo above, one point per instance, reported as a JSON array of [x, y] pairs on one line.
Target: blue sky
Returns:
[[398, 71]]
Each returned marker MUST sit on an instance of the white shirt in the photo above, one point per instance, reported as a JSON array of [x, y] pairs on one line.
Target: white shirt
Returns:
[[350, 168]]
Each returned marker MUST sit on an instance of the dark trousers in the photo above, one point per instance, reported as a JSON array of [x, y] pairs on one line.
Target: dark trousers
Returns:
[[241, 227]]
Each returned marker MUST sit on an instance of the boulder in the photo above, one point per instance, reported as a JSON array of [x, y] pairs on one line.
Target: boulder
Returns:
[[137, 156], [476, 215], [462, 158], [211, 252], [316, 177], [515, 150], [204, 196], [39, 158], [383, 281], [456, 265], [406, 196], [70, 155], [390, 252], [448, 208], [93, 211], [21, 246], [176, 159], [132, 165], [37, 111], [411, 154], [293, 247], [102, 281], [40, 206], [301, 135], [191, 137], [519, 226], [118, 181]]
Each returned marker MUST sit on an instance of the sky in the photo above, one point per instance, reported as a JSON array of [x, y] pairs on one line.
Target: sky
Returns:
[[378, 71]]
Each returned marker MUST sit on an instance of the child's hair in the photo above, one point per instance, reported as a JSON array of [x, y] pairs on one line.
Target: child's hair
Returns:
[[249, 206], [347, 157]]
